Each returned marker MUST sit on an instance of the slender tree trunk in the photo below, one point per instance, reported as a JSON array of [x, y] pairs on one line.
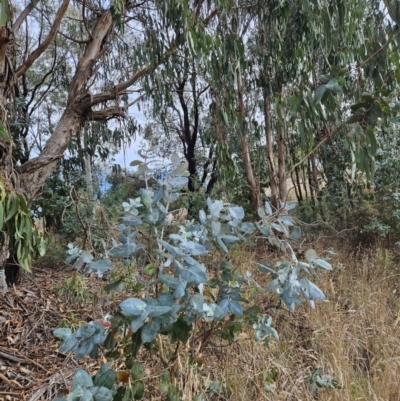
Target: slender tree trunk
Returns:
[[88, 167], [89, 178], [281, 156], [270, 152], [314, 172], [251, 180], [297, 181], [310, 182], [303, 169]]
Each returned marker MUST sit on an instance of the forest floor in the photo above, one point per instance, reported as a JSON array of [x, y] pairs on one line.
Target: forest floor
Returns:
[[352, 336]]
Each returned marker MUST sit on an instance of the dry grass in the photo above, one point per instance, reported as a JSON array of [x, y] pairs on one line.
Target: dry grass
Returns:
[[353, 336]]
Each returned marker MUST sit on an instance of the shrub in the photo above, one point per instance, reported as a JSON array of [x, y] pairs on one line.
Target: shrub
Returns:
[[181, 293]]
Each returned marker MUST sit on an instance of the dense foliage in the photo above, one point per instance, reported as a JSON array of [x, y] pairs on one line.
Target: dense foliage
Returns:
[[182, 293]]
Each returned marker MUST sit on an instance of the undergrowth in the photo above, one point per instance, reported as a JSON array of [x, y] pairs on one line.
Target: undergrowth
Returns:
[[352, 336]]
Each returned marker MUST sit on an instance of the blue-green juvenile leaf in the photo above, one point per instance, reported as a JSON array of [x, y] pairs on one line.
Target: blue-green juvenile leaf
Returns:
[[236, 212], [150, 331], [68, 344], [170, 281], [101, 394], [268, 208], [194, 274], [132, 307], [236, 308], [323, 264], [62, 333], [295, 234], [82, 379], [157, 310]]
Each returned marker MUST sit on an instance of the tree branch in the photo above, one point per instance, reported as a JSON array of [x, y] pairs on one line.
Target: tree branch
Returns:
[[43, 46], [80, 42], [106, 114], [114, 92], [23, 15]]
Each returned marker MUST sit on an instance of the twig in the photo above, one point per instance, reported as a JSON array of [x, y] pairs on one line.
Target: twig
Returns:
[[13, 386]]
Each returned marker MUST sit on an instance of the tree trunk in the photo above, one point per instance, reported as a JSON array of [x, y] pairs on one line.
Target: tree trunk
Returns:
[[255, 194], [297, 182], [310, 183], [281, 156], [7, 173], [88, 166], [270, 152], [36, 171]]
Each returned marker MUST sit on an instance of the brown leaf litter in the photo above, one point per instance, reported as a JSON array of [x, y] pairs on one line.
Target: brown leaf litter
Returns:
[[31, 367]]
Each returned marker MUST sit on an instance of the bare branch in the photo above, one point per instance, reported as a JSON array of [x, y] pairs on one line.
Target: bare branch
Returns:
[[80, 42], [106, 114], [23, 15], [43, 46]]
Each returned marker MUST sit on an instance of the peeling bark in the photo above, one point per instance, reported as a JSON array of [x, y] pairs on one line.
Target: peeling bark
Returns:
[[36, 171]]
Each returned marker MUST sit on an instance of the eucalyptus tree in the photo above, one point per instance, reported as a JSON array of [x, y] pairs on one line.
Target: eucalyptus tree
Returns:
[[322, 71], [182, 119], [114, 46]]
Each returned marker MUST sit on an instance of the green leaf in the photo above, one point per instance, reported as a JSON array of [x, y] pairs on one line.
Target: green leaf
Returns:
[[311, 255], [150, 270], [319, 93], [182, 330], [229, 239], [123, 394], [117, 286], [132, 307], [62, 333], [3, 133], [101, 394], [137, 371], [138, 322], [323, 264], [136, 343], [295, 234], [150, 331], [86, 256], [194, 274], [170, 281], [268, 208], [157, 310], [222, 245], [99, 266], [236, 308], [105, 377], [138, 390], [146, 197], [181, 169], [68, 344], [82, 379], [236, 212]]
